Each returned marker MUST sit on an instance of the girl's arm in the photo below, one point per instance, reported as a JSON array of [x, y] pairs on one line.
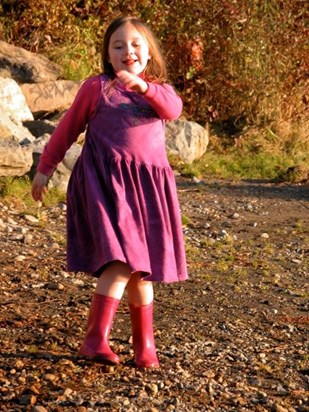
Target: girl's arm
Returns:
[[73, 123], [161, 97], [164, 100]]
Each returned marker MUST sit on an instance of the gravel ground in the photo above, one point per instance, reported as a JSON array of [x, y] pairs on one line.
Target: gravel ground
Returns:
[[232, 338]]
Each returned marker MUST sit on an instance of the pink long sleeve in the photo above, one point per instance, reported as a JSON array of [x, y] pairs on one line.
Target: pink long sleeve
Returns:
[[73, 123], [164, 100]]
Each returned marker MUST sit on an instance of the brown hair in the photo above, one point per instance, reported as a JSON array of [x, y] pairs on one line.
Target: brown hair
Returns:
[[156, 66]]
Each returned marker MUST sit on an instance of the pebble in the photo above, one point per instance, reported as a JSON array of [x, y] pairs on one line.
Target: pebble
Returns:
[[31, 219], [50, 377], [78, 282], [278, 408], [27, 399], [54, 286], [10, 221], [199, 366], [20, 258], [38, 408], [67, 392], [28, 239], [265, 235], [152, 388]]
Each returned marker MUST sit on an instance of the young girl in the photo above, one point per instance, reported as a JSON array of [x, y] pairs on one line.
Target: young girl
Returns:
[[123, 219]]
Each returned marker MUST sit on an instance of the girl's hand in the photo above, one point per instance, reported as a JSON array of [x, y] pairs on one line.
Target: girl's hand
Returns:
[[39, 186], [132, 81]]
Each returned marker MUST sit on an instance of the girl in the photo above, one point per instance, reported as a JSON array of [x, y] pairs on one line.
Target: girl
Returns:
[[123, 220]]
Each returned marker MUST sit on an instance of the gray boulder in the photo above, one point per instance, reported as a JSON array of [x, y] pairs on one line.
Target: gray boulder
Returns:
[[187, 140], [13, 102], [61, 175], [50, 96], [26, 67], [15, 160], [9, 128]]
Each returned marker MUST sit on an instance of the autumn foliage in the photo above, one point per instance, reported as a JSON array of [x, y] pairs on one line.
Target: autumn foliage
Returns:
[[241, 62]]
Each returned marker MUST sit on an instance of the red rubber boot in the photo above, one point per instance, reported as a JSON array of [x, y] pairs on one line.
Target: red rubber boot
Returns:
[[143, 340], [101, 315]]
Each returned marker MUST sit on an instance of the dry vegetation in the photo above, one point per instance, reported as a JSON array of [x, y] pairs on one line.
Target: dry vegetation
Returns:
[[240, 66]]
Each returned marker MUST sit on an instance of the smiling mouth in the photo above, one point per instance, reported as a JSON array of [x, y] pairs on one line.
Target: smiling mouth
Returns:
[[129, 62]]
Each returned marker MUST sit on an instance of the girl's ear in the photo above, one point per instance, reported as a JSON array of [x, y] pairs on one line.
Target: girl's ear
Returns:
[[149, 57]]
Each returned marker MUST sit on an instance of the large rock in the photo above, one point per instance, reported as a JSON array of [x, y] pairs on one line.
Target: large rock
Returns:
[[187, 140], [26, 67], [61, 175], [13, 111], [50, 96], [13, 102], [9, 128], [15, 160]]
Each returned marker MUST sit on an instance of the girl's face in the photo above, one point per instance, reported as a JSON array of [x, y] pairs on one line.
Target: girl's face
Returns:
[[128, 50]]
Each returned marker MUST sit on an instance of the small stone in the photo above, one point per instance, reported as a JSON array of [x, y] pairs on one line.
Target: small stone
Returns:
[[31, 219], [62, 206], [78, 282], [28, 239], [152, 388], [38, 408], [226, 224], [50, 377], [12, 222], [54, 286], [20, 258], [19, 364], [280, 390], [197, 181], [27, 399], [2, 225], [21, 379], [67, 392], [265, 235], [261, 395], [278, 408]]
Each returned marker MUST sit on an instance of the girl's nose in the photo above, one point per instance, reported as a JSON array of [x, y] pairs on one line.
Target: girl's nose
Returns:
[[129, 49]]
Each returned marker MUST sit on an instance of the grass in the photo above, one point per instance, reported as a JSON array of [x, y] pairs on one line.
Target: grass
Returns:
[[77, 62], [279, 153], [17, 191], [236, 164]]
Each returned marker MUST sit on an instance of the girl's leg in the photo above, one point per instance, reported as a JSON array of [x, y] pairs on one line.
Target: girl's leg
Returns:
[[105, 301], [140, 292], [113, 280], [140, 296]]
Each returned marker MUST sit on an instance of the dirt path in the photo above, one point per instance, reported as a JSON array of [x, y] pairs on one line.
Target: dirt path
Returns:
[[232, 338]]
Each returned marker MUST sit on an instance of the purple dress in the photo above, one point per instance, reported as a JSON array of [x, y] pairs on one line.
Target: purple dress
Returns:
[[122, 201]]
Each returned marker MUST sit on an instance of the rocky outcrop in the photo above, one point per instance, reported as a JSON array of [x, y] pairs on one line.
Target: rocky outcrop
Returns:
[[15, 160], [187, 140], [26, 67], [30, 89], [50, 96]]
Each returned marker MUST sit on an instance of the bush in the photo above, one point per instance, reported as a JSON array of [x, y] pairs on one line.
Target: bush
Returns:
[[239, 62]]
